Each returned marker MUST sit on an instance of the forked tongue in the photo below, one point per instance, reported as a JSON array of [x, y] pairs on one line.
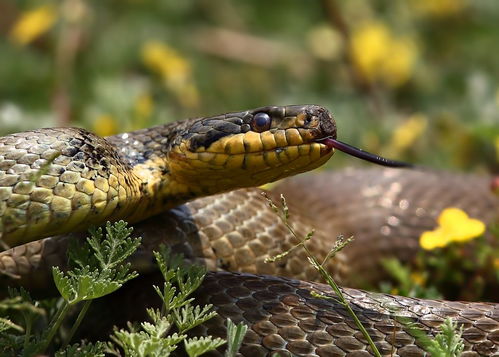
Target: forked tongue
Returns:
[[364, 155]]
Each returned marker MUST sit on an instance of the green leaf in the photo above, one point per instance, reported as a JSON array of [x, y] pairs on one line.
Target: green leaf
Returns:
[[101, 273], [143, 344], [87, 350], [116, 247], [161, 326], [63, 284], [6, 324], [188, 316], [448, 342], [235, 337], [197, 346]]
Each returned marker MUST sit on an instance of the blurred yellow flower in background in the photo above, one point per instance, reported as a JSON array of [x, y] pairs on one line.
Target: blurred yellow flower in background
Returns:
[[438, 8], [497, 147], [418, 278], [406, 134], [454, 225], [325, 42], [32, 24], [144, 105], [105, 125], [381, 56], [174, 70]]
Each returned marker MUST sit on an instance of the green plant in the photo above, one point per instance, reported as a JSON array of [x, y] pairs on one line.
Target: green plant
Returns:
[[155, 338], [283, 214], [459, 271], [447, 343], [98, 268]]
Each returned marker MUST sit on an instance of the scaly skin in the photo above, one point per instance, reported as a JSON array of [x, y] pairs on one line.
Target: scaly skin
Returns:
[[60, 180], [237, 230]]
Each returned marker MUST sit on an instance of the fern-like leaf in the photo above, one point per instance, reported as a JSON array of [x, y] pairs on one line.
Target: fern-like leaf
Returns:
[[197, 346]]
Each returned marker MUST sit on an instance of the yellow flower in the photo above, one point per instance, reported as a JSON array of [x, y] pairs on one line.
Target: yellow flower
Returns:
[[174, 69], [144, 106], [418, 278], [438, 8], [496, 142], [105, 125], [380, 55], [454, 225], [399, 63], [33, 24], [164, 60], [406, 134], [496, 264]]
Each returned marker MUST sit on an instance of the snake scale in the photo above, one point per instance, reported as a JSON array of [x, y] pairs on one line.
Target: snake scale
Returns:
[[156, 176]]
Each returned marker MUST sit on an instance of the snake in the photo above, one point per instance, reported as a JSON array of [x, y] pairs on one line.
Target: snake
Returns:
[[193, 186]]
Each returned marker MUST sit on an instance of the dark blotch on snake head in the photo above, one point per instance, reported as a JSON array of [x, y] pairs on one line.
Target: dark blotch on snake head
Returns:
[[209, 130]]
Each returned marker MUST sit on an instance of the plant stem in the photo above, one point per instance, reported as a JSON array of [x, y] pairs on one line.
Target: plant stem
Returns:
[[329, 279], [343, 302], [59, 317], [28, 331], [77, 322]]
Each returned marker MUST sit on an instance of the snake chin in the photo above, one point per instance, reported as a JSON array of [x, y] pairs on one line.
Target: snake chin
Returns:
[[209, 172]]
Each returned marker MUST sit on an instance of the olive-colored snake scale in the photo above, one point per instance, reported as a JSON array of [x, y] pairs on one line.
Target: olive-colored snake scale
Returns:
[[384, 209]]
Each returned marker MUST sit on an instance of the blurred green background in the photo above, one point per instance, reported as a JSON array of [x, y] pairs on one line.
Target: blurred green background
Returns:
[[416, 80]]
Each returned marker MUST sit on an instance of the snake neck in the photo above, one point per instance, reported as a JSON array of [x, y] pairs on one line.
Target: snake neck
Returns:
[[158, 190], [154, 187]]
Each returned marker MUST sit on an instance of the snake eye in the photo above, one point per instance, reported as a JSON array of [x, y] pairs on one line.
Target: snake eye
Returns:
[[261, 122]]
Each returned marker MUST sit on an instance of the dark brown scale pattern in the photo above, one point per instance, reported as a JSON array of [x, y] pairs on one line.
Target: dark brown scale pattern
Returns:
[[237, 231], [285, 317]]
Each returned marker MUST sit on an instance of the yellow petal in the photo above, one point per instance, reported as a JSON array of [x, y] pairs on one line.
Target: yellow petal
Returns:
[[470, 229], [33, 24], [430, 240], [451, 216], [458, 227]]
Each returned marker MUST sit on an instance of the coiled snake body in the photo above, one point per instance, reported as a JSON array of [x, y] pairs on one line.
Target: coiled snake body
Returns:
[[54, 181]]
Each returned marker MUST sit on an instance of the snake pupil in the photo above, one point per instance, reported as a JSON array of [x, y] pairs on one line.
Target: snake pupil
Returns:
[[261, 122]]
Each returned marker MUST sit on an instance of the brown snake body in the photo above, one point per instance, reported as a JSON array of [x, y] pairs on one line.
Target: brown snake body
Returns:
[[386, 210], [236, 231]]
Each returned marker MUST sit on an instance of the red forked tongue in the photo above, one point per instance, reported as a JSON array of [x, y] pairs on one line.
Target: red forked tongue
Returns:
[[361, 154]]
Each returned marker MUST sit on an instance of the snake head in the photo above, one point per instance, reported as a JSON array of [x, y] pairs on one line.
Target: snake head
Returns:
[[250, 148]]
